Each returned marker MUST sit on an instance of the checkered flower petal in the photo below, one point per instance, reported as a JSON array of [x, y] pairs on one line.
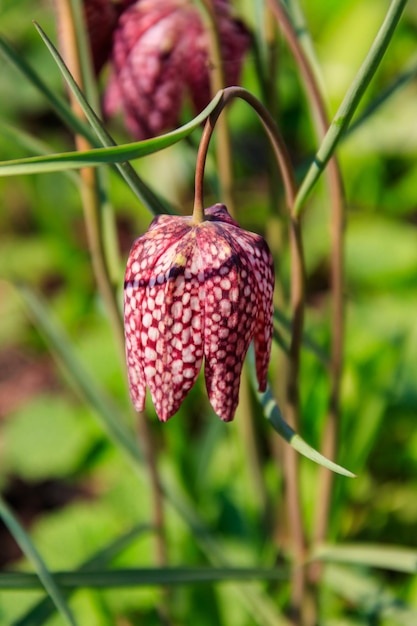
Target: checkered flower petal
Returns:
[[163, 315], [251, 283], [195, 291], [261, 263]]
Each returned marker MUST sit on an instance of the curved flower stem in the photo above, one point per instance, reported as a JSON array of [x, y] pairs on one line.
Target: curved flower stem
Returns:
[[280, 150], [329, 445], [297, 303], [91, 204]]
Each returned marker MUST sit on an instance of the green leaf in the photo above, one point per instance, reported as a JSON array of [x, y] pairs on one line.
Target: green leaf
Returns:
[[142, 577], [350, 102], [43, 610], [400, 81], [61, 108], [367, 593], [42, 578], [99, 156], [395, 558], [273, 414], [29, 142]]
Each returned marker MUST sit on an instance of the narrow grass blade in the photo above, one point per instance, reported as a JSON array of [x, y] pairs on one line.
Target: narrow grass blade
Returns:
[[308, 343], [142, 577], [273, 414], [60, 106], [395, 558], [43, 610], [385, 95], [84, 48], [99, 156], [296, 13], [43, 578], [32, 144], [376, 602], [350, 101], [79, 127]]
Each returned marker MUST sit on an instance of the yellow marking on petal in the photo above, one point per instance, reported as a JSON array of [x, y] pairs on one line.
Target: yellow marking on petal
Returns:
[[180, 260]]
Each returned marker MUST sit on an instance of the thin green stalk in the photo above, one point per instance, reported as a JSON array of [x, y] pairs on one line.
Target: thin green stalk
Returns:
[[90, 184], [218, 82], [351, 100], [292, 408], [324, 155], [142, 191], [108, 221], [43, 577], [94, 226], [306, 62], [400, 81], [141, 577], [297, 305], [245, 418], [307, 71]]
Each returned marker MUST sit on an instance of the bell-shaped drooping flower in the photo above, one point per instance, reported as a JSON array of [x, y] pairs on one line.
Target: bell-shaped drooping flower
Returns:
[[161, 53], [196, 291]]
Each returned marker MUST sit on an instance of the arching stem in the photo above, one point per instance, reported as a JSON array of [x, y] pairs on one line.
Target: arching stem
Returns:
[[297, 303], [278, 145]]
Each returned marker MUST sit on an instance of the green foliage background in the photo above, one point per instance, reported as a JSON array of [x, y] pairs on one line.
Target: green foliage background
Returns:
[[50, 436]]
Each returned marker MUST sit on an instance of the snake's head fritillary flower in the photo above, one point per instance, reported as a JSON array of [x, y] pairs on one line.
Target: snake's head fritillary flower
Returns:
[[160, 54], [196, 291]]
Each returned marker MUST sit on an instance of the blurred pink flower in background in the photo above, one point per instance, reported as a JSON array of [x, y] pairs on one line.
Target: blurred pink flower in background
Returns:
[[159, 54]]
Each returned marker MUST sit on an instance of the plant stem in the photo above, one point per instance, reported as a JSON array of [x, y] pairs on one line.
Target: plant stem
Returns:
[[89, 182], [329, 445], [337, 220], [297, 306], [351, 100], [91, 203], [217, 82], [278, 145], [198, 210]]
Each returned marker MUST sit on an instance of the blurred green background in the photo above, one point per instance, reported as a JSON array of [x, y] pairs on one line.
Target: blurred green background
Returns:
[[65, 479]]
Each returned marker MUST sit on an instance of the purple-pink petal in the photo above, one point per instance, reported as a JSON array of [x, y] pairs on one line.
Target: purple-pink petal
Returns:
[[230, 313], [143, 256]]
